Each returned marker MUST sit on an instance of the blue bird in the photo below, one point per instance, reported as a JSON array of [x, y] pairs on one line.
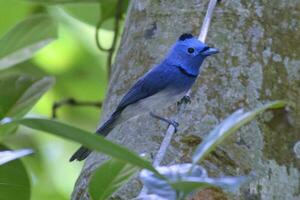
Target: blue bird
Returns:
[[162, 86]]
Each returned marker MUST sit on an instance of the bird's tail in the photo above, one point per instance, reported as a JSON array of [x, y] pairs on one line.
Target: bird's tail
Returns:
[[104, 130], [80, 154]]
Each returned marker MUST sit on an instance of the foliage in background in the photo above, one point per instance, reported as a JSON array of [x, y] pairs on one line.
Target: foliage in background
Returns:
[[25, 77], [23, 40], [14, 178]]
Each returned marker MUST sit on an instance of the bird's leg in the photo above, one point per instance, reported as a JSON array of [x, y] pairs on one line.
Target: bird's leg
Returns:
[[169, 121], [185, 99]]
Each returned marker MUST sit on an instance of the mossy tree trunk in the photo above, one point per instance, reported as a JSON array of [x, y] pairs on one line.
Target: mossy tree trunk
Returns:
[[259, 62]]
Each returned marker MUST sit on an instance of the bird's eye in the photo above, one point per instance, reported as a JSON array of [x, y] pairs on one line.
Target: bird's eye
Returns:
[[191, 50]]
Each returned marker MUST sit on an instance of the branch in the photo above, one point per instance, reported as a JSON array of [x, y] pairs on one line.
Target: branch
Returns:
[[204, 29], [207, 20], [73, 102], [171, 130], [164, 146]]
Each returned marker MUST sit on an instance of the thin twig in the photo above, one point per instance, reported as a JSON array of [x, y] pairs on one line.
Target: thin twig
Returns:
[[73, 102], [164, 146], [207, 20], [171, 130], [111, 49], [204, 29]]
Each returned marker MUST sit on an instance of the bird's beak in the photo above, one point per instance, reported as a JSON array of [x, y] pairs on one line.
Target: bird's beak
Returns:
[[210, 51]]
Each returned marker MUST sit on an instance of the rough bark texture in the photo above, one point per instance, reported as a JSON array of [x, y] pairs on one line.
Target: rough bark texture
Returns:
[[259, 62]]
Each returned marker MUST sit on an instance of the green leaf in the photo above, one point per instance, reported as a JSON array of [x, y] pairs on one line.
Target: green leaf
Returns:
[[88, 13], [108, 11], [88, 140], [93, 12], [14, 180], [20, 92], [26, 68], [26, 38], [109, 177], [13, 12], [8, 155], [60, 1], [229, 126], [7, 130]]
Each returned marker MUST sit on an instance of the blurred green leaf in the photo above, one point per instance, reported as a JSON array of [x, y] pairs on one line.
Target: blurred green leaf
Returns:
[[7, 130], [88, 13], [13, 12], [88, 140], [108, 11], [108, 8], [9, 155], [229, 126], [20, 92], [109, 177], [93, 12], [23, 40], [14, 180], [60, 1], [25, 68]]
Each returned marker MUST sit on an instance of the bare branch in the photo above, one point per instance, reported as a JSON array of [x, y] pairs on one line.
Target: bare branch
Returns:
[[207, 20], [164, 146]]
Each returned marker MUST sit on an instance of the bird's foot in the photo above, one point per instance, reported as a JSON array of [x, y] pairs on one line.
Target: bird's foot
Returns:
[[174, 124], [169, 121], [185, 100]]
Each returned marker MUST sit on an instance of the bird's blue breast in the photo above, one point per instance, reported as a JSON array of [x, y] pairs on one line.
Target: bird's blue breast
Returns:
[[182, 79]]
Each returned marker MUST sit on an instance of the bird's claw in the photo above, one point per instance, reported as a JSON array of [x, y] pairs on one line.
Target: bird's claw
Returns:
[[185, 100], [169, 121], [174, 124]]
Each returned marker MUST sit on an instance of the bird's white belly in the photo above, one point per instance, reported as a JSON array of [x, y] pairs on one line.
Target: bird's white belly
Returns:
[[156, 102]]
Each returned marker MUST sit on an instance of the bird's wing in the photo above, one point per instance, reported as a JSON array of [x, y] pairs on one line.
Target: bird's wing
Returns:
[[151, 83]]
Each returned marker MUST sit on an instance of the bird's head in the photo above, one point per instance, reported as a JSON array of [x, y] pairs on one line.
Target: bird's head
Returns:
[[188, 52]]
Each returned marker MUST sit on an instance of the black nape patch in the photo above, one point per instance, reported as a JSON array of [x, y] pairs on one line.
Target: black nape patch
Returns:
[[185, 36]]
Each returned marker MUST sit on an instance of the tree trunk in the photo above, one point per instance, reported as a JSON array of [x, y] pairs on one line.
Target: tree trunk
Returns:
[[259, 62]]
